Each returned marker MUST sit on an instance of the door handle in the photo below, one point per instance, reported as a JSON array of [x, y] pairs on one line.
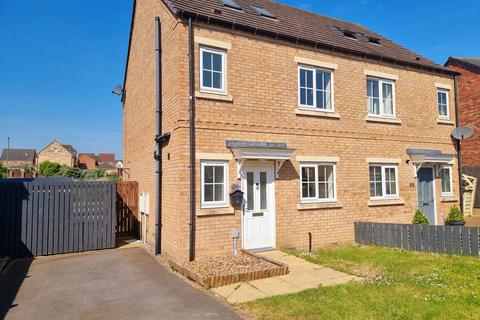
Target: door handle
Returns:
[[257, 214]]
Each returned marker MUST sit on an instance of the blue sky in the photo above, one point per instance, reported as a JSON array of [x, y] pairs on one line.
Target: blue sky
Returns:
[[60, 59]]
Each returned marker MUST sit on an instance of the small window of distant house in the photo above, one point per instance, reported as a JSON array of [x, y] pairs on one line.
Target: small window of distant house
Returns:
[[446, 178], [381, 97], [383, 181], [442, 101], [315, 90], [214, 184], [212, 70], [318, 182]]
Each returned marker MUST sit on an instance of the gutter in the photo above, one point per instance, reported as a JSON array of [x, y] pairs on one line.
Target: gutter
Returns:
[[459, 147], [192, 137]]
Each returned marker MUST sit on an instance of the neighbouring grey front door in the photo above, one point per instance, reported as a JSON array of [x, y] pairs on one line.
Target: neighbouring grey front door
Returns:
[[426, 196]]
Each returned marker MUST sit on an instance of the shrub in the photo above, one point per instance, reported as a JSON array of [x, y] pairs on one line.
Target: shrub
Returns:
[[3, 171], [113, 177], [455, 215], [419, 217], [66, 171], [92, 174], [49, 168]]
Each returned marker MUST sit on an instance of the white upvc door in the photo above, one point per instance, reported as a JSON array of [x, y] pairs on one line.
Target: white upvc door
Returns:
[[258, 221]]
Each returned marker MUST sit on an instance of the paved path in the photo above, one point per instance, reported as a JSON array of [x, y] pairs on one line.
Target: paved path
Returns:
[[303, 275], [107, 284]]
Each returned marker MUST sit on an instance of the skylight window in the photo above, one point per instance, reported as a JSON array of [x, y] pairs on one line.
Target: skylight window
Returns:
[[349, 34], [263, 12], [230, 4], [374, 40]]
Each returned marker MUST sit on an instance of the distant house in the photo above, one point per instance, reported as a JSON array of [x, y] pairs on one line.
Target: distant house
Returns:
[[15, 161], [87, 161], [469, 105], [56, 152], [107, 162]]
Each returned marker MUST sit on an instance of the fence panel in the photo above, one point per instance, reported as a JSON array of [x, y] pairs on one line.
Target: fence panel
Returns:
[[127, 209], [422, 238], [56, 217]]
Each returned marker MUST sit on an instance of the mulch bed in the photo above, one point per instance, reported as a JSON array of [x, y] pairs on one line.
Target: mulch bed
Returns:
[[222, 270]]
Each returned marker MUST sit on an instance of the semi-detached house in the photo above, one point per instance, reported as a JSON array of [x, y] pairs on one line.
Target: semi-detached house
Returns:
[[320, 123]]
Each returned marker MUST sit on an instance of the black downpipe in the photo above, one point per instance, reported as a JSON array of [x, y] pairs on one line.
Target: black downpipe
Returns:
[[158, 151], [459, 150], [192, 138]]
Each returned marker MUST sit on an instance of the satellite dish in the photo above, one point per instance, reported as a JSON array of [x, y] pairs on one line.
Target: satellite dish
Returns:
[[462, 133]]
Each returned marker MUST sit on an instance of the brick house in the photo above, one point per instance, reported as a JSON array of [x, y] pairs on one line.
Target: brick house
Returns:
[[15, 161], [56, 152], [87, 160], [469, 105], [318, 121]]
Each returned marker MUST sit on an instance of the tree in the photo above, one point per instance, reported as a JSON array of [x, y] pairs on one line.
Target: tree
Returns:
[[49, 168], [3, 171]]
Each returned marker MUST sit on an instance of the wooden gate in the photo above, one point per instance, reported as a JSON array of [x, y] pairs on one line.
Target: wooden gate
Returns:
[[44, 218], [127, 209], [474, 172]]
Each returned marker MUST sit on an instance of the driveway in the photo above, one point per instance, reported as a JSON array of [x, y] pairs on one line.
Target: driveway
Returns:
[[107, 284]]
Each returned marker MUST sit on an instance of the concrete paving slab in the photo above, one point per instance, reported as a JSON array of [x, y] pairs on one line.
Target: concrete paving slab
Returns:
[[245, 293]]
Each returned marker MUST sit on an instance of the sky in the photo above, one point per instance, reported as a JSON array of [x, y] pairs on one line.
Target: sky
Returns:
[[60, 59]]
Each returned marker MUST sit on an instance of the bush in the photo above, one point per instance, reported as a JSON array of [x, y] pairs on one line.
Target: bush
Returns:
[[113, 177], [92, 174], [66, 171], [3, 171], [419, 217], [455, 215], [49, 168]]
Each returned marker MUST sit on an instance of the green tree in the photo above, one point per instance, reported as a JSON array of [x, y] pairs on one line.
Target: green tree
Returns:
[[419, 217], [3, 171], [49, 168], [66, 171]]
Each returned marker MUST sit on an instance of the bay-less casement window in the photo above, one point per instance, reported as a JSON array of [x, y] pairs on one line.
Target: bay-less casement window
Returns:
[[214, 184], [381, 97], [318, 182], [446, 178], [212, 70], [315, 90], [442, 101], [383, 181]]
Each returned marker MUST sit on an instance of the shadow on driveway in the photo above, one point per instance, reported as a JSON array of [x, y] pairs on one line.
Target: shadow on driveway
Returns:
[[107, 284]]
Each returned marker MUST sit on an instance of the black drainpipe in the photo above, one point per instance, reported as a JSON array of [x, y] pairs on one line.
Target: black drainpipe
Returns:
[[158, 138], [192, 139], [459, 151]]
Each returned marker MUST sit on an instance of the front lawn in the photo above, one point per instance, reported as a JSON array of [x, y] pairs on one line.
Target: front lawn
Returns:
[[398, 285]]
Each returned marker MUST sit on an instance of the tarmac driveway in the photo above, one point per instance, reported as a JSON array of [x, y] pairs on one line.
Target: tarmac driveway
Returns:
[[107, 284]]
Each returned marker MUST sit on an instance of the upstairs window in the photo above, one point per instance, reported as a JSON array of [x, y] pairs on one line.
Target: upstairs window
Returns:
[[381, 97], [315, 88], [442, 101], [317, 182], [383, 181], [212, 70], [446, 178]]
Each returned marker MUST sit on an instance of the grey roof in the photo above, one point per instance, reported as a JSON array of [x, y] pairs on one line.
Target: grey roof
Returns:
[[18, 154], [70, 149], [255, 144], [469, 62]]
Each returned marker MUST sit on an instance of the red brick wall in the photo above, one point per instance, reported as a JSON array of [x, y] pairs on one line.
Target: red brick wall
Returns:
[[469, 105], [87, 161]]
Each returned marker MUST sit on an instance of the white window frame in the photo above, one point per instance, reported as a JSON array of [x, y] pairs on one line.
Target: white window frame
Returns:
[[223, 78], [332, 93], [381, 81], [449, 168], [384, 182], [316, 198], [447, 97], [214, 204]]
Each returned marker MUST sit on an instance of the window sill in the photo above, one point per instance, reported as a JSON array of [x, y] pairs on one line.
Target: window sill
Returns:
[[383, 120], [446, 121], [319, 205], [386, 202], [213, 96], [315, 113], [203, 212], [451, 198]]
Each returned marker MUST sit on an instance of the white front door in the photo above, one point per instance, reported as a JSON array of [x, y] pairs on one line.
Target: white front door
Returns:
[[259, 212]]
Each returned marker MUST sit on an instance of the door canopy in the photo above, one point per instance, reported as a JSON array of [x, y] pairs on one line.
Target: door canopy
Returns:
[[433, 157]]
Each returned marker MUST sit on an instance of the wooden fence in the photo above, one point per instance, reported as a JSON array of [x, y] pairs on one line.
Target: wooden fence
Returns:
[[50, 218], [127, 209], [423, 238], [474, 172]]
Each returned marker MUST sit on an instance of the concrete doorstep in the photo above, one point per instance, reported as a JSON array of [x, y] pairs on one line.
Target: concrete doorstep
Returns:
[[303, 275]]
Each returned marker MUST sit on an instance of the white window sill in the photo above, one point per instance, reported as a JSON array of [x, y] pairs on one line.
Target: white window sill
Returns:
[[449, 198], [383, 120], [215, 211], [386, 202], [317, 113], [445, 121], [319, 205], [213, 96]]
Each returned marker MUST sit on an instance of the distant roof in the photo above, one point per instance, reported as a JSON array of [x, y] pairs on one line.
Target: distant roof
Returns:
[[70, 149], [18, 154], [106, 157], [468, 62], [300, 26]]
